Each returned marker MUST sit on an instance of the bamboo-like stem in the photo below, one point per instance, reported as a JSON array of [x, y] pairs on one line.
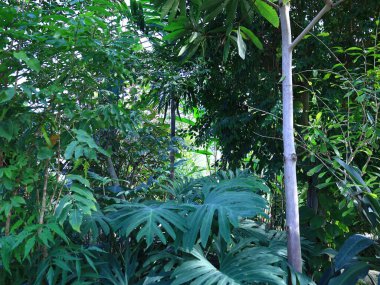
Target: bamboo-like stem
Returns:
[[44, 194]]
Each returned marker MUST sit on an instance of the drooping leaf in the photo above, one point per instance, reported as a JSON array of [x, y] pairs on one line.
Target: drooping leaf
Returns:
[[79, 178], [255, 40], [351, 247], [167, 7], [351, 275], [185, 120], [242, 48], [268, 12], [75, 219], [314, 170], [59, 231], [70, 149], [29, 245], [354, 174]]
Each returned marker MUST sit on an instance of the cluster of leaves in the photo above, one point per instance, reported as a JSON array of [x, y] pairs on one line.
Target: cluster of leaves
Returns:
[[206, 226], [62, 95], [82, 146]]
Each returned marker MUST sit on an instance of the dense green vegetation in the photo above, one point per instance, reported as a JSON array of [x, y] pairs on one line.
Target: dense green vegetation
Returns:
[[141, 142]]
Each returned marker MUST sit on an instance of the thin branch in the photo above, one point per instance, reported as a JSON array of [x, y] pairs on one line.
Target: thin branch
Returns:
[[337, 3], [271, 4], [267, 137], [313, 22], [328, 5]]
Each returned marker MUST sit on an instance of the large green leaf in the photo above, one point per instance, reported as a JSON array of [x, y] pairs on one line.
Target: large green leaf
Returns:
[[70, 149], [246, 266], [150, 220], [268, 12], [75, 219], [6, 95], [32, 63], [167, 7], [29, 245], [79, 178], [226, 201], [255, 40], [351, 247], [354, 174], [351, 275]]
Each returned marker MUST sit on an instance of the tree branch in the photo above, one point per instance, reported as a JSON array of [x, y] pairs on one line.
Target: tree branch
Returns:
[[316, 19], [271, 4], [328, 5], [337, 3]]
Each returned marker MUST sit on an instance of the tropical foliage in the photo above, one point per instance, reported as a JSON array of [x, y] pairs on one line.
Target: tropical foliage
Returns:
[[97, 187]]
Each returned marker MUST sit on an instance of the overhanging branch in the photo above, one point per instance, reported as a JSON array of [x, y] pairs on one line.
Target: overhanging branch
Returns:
[[328, 5]]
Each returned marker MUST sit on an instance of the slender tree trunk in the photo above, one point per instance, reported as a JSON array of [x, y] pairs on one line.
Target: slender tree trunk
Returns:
[[1, 158], [8, 223], [43, 205], [172, 135], [290, 157], [44, 194], [112, 172]]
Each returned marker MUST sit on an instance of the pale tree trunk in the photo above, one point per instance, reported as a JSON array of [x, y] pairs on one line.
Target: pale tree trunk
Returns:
[[172, 136], [290, 157]]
